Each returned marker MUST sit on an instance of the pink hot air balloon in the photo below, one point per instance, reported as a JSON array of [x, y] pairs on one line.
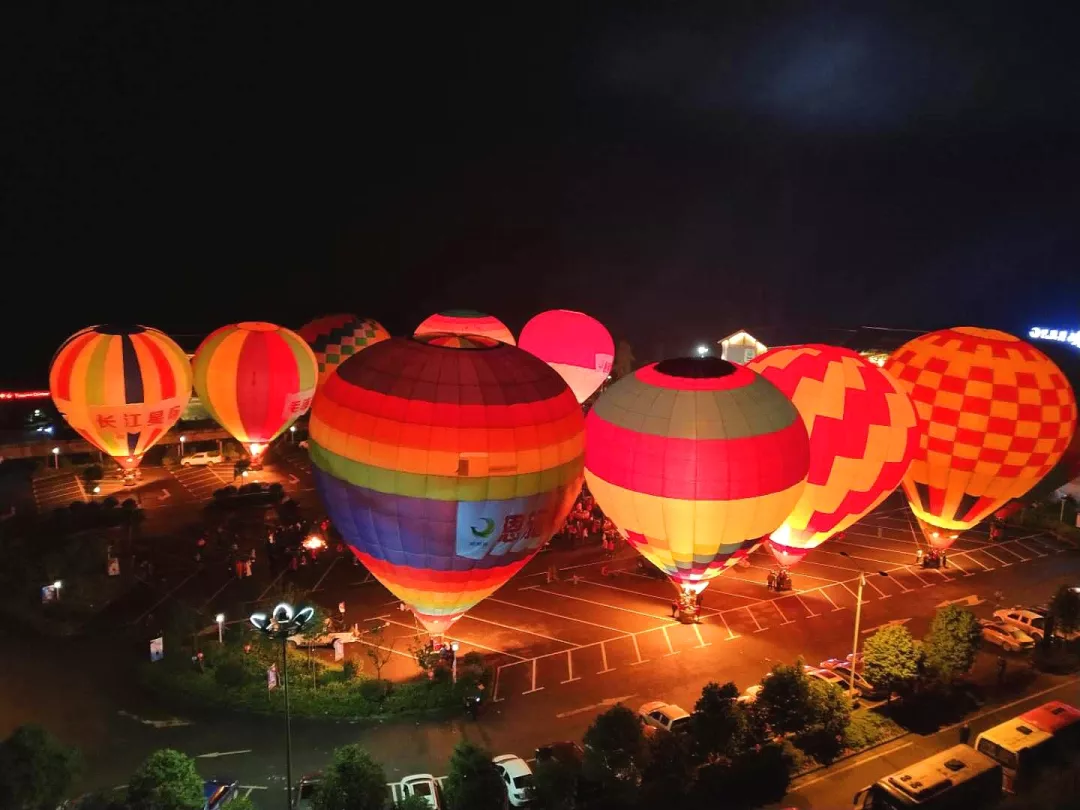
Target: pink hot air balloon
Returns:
[[576, 345]]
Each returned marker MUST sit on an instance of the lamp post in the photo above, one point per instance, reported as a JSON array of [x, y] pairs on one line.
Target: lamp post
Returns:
[[56, 457], [702, 350], [282, 622], [220, 619], [58, 585], [292, 433], [858, 619], [183, 439]]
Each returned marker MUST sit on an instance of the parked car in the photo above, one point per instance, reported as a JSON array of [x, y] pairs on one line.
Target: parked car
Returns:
[[219, 792], [664, 716], [1032, 622], [304, 790], [1007, 636], [202, 459], [833, 663], [422, 784], [827, 675], [517, 776], [862, 686]]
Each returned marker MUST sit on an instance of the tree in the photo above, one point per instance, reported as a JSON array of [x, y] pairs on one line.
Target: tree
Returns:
[[555, 785], [623, 363], [891, 659], [718, 725], [615, 754], [830, 714], [952, 643], [669, 772], [240, 467], [377, 650], [413, 802], [167, 780], [1065, 608], [473, 782], [36, 771], [354, 781], [784, 700]]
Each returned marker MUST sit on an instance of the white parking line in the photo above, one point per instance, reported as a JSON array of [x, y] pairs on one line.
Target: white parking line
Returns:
[[556, 615]]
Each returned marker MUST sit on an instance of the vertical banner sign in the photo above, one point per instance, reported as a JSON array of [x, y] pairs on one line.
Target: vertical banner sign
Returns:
[[157, 648], [48, 594], [339, 649], [271, 677], [114, 566]]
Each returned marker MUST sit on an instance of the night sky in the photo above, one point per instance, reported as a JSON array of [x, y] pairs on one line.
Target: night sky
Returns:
[[679, 175]]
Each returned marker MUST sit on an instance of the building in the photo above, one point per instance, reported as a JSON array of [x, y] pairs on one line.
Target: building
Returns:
[[741, 347]]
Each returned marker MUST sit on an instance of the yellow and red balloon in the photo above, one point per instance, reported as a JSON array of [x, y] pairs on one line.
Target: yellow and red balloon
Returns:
[[255, 379], [120, 388], [465, 322], [864, 433], [695, 459], [998, 415]]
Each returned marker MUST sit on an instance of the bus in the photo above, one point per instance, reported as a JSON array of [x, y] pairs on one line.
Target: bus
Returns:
[[1025, 743], [959, 777]]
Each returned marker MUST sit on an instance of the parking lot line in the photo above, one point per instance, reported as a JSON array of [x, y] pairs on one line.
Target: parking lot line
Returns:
[[992, 557], [810, 612], [752, 616], [466, 641], [539, 589], [637, 650], [570, 668], [520, 630], [827, 598], [778, 610], [556, 615]]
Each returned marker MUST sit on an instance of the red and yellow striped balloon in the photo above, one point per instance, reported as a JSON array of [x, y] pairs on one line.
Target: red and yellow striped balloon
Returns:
[[121, 388], [695, 459], [255, 379], [863, 435], [465, 322]]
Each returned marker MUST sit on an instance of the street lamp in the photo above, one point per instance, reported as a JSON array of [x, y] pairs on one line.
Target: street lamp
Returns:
[[292, 433], [57, 585], [56, 457], [182, 440], [284, 621], [702, 350], [858, 618], [220, 619]]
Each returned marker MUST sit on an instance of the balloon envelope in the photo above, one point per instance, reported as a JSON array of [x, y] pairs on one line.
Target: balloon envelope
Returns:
[[863, 431], [336, 338], [446, 462], [576, 345], [465, 322], [121, 388], [695, 459], [255, 379], [998, 414]]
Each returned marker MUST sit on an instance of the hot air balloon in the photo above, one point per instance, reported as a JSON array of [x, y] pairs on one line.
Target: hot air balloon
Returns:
[[336, 338], [863, 435], [121, 388], [465, 322], [695, 459], [574, 344], [446, 462], [998, 415], [255, 379]]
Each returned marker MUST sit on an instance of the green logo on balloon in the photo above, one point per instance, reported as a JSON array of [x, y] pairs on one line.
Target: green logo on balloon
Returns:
[[489, 527]]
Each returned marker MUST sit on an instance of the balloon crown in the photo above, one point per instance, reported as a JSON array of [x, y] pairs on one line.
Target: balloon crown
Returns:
[[447, 340], [696, 368], [119, 329]]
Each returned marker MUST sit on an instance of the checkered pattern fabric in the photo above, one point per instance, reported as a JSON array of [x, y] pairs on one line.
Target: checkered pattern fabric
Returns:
[[998, 416]]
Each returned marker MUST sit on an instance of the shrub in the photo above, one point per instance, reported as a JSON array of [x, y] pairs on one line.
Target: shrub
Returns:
[[373, 690], [349, 670], [129, 505], [230, 673], [110, 503], [866, 729]]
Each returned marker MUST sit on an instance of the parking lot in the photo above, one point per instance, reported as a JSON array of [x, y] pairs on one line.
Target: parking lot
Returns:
[[200, 482], [542, 635], [53, 490]]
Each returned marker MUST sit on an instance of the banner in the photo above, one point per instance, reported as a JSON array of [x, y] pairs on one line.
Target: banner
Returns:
[[49, 593], [114, 566], [157, 648], [339, 649], [271, 677]]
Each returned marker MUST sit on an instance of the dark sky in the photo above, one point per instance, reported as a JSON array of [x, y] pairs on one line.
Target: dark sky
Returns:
[[679, 175]]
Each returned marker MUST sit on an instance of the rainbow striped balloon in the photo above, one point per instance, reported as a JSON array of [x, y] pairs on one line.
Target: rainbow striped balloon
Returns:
[[695, 459], [466, 322], [120, 387], [446, 465], [336, 338], [255, 379]]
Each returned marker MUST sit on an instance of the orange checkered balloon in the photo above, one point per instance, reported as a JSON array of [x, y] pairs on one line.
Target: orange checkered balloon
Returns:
[[998, 415], [863, 435]]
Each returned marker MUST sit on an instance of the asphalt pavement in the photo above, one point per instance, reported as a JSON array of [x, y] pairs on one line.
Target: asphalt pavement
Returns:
[[601, 633]]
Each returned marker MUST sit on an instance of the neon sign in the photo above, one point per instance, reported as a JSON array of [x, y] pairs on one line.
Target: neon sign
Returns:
[[15, 395], [1059, 335]]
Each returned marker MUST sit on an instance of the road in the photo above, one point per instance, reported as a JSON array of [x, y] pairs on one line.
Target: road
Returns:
[[562, 649]]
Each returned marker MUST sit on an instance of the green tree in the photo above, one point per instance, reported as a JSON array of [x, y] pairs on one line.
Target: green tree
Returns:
[[669, 772], [167, 780], [36, 771], [952, 643], [555, 785], [891, 657], [473, 782], [784, 700], [624, 360], [354, 781], [718, 725], [239, 803], [412, 802], [1065, 608], [615, 754]]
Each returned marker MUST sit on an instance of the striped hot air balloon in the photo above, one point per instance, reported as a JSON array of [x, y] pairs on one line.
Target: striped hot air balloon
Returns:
[[695, 459], [998, 415], [121, 388], [576, 345], [863, 435], [255, 379], [336, 338], [465, 322], [446, 462]]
